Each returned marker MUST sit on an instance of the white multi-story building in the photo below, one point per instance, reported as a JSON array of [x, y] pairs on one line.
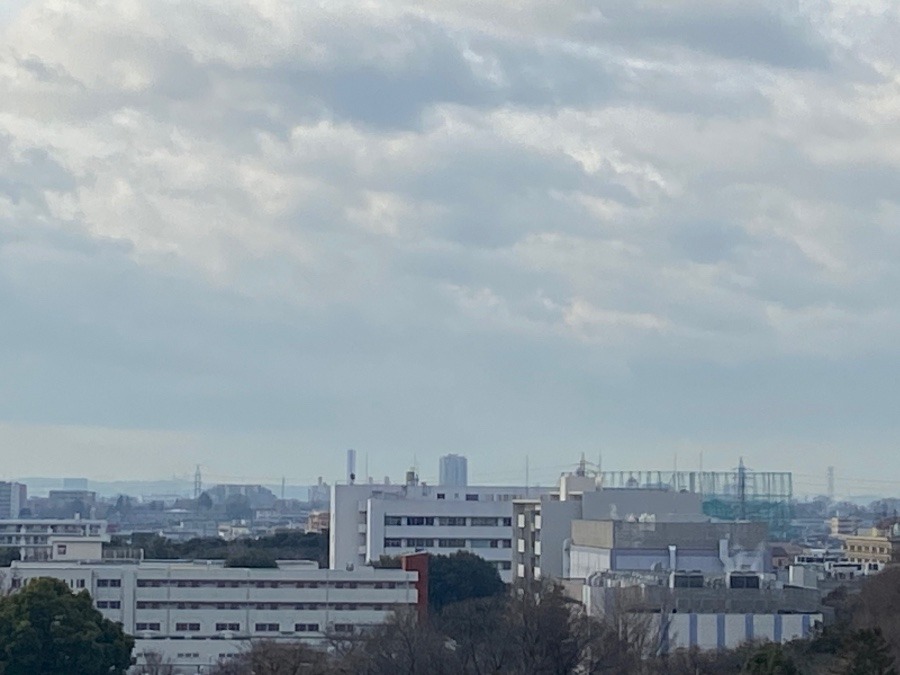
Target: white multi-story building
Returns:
[[454, 471], [49, 538], [194, 614], [368, 521]]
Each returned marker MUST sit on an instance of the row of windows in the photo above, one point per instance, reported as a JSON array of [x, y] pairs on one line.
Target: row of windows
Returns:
[[425, 542], [109, 604], [109, 583], [868, 549], [447, 521], [265, 627], [194, 583], [283, 606]]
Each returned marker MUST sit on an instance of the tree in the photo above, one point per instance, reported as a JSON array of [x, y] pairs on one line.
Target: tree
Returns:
[[237, 507], [47, 629], [865, 652], [204, 501], [461, 576], [255, 558], [402, 645], [273, 658], [770, 659], [156, 664], [7, 555]]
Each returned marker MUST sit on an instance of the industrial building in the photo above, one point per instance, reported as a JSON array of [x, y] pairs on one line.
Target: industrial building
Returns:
[[195, 613], [710, 547], [740, 494], [543, 524], [691, 609]]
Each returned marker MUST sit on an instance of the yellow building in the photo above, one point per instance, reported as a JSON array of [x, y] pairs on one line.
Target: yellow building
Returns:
[[872, 545]]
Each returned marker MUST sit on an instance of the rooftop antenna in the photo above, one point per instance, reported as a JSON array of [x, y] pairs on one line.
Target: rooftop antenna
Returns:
[[526, 475], [742, 488], [282, 488], [830, 484]]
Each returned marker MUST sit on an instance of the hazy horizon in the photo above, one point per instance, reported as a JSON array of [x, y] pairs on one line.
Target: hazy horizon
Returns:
[[250, 235]]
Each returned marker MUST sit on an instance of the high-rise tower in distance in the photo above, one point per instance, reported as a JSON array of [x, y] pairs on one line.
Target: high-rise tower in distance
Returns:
[[454, 471]]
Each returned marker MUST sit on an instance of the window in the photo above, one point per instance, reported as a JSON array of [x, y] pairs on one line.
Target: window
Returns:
[[187, 627], [267, 628], [102, 604], [228, 626], [441, 495], [507, 522], [146, 626], [343, 628], [60, 549], [505, 565], [392, 543], [506, 543], [452, 521], [102, 583], [484, 522], [115, 583], [393, 520], [416, 520], [306, 627], [451, 543], [420, 543], [115, 604], [471, 498], [482, 543], [79, 583]]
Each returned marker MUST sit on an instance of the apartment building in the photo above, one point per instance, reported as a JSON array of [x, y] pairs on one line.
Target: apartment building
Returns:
[[49, 538], [371, 520], [196, 613], [872, 545]]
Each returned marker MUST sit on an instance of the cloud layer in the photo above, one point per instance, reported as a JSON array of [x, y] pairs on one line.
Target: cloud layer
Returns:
[[488, 228]]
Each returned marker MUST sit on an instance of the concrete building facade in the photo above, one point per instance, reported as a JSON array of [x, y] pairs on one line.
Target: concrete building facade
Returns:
[[711, 548], [47, 538], [195, 613], [368, 521], [688, 610], [543, 525]]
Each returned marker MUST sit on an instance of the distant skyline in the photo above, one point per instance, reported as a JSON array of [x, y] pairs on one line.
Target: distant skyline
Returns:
[[251, 234]]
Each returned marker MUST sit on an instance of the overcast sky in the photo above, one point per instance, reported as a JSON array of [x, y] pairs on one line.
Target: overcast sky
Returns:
[[250, 234]]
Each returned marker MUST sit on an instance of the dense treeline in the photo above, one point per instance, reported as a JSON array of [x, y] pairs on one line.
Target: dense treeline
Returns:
[[262, 552]]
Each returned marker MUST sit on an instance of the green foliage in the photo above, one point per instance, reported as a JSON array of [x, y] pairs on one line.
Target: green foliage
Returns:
[[281, 546], [7, 555], [237, 507], [770, 659], [204, 502], [865, 652], [461, 576], [256, 558], [47, 629]]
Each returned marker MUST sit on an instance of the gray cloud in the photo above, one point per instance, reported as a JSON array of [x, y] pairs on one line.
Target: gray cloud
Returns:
[[456, 227]]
